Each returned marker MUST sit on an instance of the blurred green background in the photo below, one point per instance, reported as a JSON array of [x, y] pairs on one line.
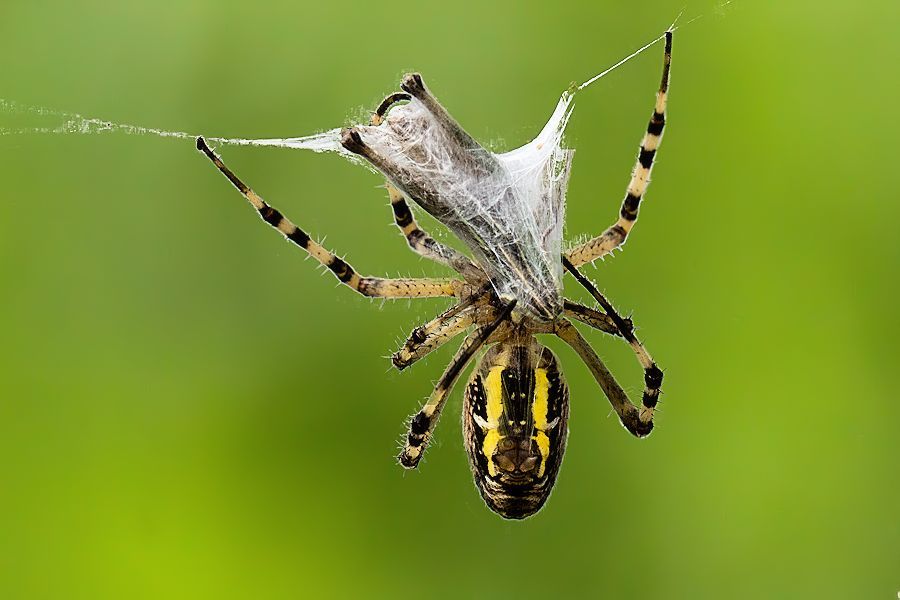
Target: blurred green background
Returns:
[[190, 410]]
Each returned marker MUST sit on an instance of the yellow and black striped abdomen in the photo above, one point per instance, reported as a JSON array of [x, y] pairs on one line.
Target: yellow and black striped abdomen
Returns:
[[515, 422]]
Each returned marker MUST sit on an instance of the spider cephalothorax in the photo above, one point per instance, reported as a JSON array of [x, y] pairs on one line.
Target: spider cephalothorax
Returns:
[[508, 209]]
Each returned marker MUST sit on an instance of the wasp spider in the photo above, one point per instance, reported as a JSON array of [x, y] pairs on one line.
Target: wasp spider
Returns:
[[516, 405]]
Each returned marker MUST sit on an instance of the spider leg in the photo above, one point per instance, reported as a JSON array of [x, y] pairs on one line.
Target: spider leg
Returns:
[[386, 104], [653, 375], [628, 413], [615, 235], [590, 317], [422, 424], [425, 245], [367, 286], [427, 338]]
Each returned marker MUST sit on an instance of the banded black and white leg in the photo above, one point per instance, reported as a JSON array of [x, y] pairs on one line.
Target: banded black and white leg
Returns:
[[423, 423], [653, 375], [616, 235], [375, 287]]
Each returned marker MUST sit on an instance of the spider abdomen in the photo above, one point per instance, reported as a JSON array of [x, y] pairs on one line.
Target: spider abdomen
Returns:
[[515, 422]]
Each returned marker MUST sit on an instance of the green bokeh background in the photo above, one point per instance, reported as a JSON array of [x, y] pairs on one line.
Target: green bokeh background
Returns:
[[190, 410]]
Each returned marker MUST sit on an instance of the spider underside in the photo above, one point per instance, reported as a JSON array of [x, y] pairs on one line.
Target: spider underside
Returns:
[[516, 401]]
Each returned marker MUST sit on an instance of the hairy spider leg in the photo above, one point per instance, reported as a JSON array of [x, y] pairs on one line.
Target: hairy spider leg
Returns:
[[374, 287], [423, 423], [615, 235], [427, 338], [590, 317], [653, 375], [475, 308], [628, 413]]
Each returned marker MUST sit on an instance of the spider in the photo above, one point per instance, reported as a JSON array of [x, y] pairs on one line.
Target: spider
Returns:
[[516, 402]]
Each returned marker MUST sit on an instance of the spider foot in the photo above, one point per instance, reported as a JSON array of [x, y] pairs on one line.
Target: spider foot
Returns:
[[351, 140], [636, 426], [419, 432], [412, 84], [410, 457]]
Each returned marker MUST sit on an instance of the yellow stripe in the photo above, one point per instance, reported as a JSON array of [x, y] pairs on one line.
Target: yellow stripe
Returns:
[[541, 395], [493, 385], [539, 409], [491, 439]]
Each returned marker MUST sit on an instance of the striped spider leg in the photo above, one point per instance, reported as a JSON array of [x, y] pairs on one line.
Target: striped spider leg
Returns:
[[432, 335], [615, 235], [422, 424], [375, 287], [423, 244], [640, 424]]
